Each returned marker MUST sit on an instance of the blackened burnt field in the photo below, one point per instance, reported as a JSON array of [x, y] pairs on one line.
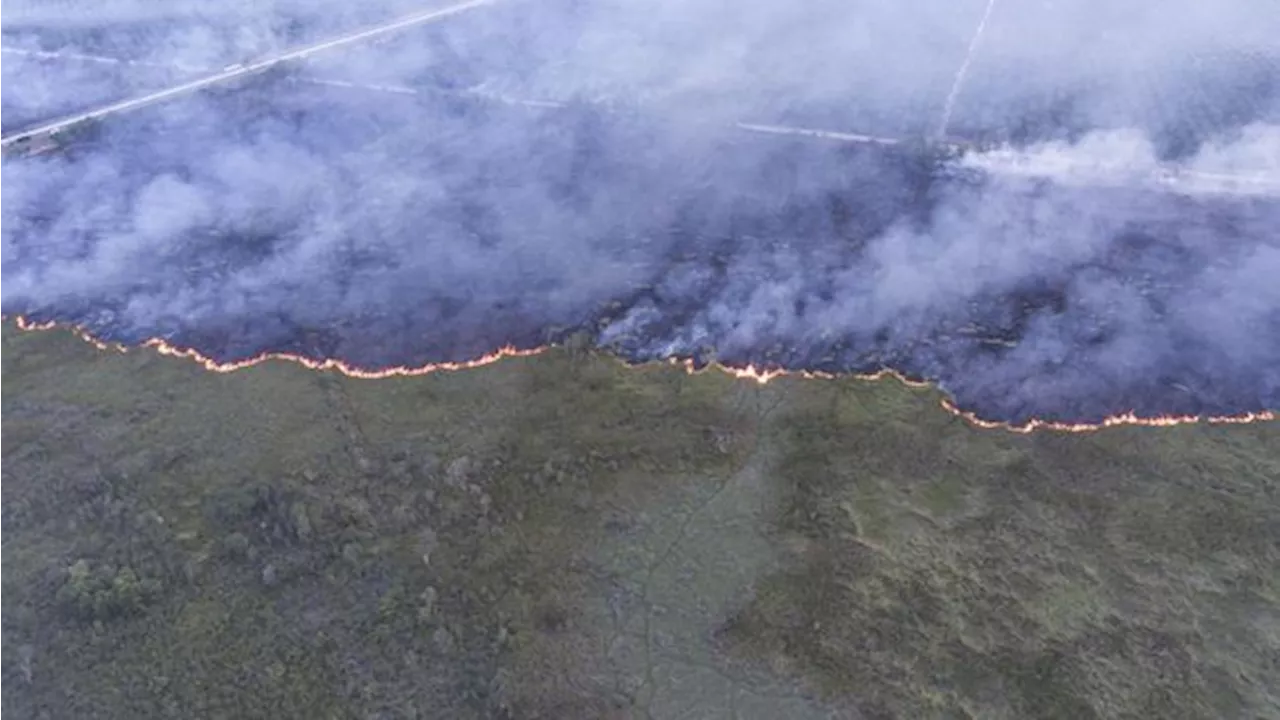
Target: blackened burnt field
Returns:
[[401, 230]]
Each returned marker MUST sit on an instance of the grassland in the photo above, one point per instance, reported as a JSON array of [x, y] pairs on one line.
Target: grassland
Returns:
[[564, 537]]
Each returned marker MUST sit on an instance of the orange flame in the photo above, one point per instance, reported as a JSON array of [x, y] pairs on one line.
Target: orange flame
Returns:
[[750, 372], [208, 363], [1128, 418]]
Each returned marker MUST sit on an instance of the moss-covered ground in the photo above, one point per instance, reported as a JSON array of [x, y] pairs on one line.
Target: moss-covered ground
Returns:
[[564, 537]]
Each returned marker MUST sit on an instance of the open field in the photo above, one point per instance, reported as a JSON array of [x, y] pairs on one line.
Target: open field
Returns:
[[564, 537]]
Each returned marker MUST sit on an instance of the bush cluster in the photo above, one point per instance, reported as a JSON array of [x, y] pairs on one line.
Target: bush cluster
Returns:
[[104, 592]]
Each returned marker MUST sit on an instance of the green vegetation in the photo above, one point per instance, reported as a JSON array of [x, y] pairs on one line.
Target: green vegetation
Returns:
[[951, 573], [562, 537]]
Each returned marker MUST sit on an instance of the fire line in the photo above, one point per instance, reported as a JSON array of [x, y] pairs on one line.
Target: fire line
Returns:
[[759, 375]]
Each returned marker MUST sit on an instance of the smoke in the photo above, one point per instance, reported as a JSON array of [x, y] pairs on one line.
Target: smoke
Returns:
[[1119, 253]]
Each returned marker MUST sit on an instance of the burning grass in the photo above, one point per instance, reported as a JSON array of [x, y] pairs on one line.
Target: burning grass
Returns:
[[749, 372]]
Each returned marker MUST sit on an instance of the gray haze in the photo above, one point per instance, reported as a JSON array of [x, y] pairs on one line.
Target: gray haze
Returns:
[[439, 219]]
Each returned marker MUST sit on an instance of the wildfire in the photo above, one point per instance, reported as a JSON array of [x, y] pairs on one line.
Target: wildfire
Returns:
[[759, 375], [1114, 421], [764, 375], [332, 364]]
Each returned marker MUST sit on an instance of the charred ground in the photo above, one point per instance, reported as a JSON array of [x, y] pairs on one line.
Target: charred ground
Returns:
[[1020, 297], [445, 219]]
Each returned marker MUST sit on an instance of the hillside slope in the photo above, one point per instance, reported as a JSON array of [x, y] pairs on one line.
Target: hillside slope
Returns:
[[562, 536]]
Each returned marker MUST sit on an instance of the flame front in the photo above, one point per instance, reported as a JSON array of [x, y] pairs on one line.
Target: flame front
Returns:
[[333, 364], [750, 372]]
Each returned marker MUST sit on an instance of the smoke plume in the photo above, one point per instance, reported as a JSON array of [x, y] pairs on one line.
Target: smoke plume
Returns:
[[525, 170]]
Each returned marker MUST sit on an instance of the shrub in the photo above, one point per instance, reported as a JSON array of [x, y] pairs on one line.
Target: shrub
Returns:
[[104, 593]]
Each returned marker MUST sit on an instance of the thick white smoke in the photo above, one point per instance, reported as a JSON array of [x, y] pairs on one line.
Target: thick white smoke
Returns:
[[1123, 244]]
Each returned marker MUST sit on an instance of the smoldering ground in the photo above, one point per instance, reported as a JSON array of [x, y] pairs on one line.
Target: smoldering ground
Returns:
[[400, 228]]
